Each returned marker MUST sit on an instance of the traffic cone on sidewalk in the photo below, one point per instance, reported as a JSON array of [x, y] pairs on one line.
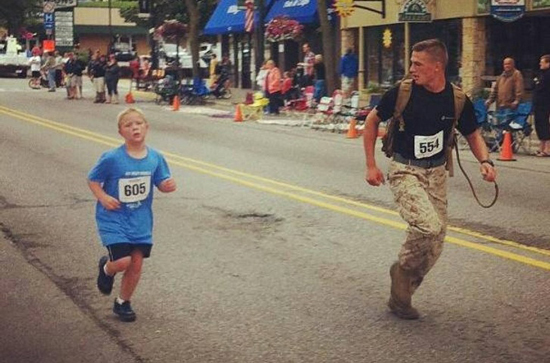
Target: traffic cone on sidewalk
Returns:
[[129, 98], [176, 103], [238, 114], [506, 152], [352, 132]]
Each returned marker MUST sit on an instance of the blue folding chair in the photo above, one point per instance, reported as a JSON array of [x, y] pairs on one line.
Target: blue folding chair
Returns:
[[520, 126]]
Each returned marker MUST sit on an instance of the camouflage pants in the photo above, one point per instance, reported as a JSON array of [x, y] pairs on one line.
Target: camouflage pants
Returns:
[[421, 197]]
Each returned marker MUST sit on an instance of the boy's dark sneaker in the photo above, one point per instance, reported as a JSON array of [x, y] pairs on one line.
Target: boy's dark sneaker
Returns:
[[124, 311], [104, 281]]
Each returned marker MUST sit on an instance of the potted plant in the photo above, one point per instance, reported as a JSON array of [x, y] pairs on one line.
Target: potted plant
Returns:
[[282, 28]]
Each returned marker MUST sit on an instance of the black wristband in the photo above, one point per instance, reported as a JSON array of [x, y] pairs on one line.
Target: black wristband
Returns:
[[488, 161]]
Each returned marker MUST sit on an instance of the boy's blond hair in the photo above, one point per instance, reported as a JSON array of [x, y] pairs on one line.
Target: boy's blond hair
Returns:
[[127, 111]]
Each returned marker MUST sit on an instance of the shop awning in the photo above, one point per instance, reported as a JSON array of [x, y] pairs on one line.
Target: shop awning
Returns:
[[303, 11], [227, 18]]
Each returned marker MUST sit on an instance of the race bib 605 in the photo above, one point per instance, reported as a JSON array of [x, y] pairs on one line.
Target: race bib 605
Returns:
[[131, 190], [426, 146]]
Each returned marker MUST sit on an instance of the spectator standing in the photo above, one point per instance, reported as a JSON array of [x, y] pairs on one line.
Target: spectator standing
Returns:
[[507, 90], [49, 68], [541, 106], [273, 86], [80, 66], [417, 176], [307, 64], [212, 70], [35, 62], [320, 78], [260, 78], [112, 75], [349, 68], [59, 62], [69, 69], [98, 78]]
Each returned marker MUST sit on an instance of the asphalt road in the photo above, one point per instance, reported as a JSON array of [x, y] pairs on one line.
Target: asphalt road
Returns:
[[272, 250]]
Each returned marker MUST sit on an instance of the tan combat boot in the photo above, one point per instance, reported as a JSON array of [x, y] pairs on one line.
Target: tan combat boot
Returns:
[[115, 99], [401, 294]]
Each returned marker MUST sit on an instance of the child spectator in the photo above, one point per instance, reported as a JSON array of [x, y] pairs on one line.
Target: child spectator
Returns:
[[287, 85]]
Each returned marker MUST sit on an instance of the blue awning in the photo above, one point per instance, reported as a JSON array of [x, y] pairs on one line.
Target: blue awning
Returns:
[[303, 11], [227, 18]]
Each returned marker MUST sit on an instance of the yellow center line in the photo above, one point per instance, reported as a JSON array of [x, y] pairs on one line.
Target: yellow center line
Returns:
[[237, 177]]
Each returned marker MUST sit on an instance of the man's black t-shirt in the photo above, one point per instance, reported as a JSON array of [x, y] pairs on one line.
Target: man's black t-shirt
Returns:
[[428, 120]]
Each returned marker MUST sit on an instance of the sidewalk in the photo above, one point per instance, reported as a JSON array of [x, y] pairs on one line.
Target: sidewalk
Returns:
[[40, 323], [239, 95]]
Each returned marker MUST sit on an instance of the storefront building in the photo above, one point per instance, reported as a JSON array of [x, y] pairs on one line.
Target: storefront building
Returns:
[[95, 29], [228, 22], [477, 41]]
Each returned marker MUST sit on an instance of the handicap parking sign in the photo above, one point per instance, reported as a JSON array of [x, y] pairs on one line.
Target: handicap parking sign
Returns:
[[49, 20]]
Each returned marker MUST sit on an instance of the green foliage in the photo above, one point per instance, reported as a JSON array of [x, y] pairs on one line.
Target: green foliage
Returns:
[[481, 93], [15, 14], [373, 87], [119, 4], [168, 10]]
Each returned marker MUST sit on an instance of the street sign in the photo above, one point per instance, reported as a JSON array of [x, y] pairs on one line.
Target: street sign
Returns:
[[60, 4], [49, 20], [49, 7], [415, 11], [49, 17], [64, 28], [507, 10]]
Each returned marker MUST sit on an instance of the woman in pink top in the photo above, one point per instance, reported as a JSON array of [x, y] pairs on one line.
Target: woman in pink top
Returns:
[[273, 87]]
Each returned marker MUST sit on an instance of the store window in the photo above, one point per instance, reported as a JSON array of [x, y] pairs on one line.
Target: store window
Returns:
[[385, 65], [525, 40]]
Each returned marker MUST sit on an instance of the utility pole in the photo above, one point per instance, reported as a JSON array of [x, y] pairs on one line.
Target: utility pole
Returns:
[[153, 42], [260, 34], [110, 29]]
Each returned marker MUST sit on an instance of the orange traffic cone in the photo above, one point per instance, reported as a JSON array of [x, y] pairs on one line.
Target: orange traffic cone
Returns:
[[238, 114], [506, 152], [176, 103], [130, 98], [352, 132]]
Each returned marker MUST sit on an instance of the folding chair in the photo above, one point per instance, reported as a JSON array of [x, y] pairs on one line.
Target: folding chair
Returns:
[[521, 128], [255, 110], [480, 111], [323, 111]]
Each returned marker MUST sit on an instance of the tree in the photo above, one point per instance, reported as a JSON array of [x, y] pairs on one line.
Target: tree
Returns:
[[16, 14], [191, 12], [330, 57], [193, 27]]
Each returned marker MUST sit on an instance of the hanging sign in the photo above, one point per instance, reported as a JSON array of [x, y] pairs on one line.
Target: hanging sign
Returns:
[[415, 11], [507, 10], [60, 4]]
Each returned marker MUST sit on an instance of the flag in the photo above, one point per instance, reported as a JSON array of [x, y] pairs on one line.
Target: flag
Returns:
[[249, 17]]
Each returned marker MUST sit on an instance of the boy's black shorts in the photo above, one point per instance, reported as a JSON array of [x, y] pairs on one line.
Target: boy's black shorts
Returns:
[[119, 250]]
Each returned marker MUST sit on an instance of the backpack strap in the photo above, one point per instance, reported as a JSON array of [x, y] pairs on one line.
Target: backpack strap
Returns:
[[403, 96], [459, 99]]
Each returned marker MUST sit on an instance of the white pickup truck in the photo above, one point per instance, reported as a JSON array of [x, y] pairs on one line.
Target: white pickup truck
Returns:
[[12, 61]]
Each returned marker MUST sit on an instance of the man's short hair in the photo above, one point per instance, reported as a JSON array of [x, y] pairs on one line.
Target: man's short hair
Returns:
[[435, 48], [546, 58]]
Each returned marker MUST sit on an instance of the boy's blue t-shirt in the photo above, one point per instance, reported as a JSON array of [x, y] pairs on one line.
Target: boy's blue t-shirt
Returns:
[[130, 181]]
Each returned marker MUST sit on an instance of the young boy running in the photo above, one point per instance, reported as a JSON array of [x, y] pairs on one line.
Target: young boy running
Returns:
[[121, 181]]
